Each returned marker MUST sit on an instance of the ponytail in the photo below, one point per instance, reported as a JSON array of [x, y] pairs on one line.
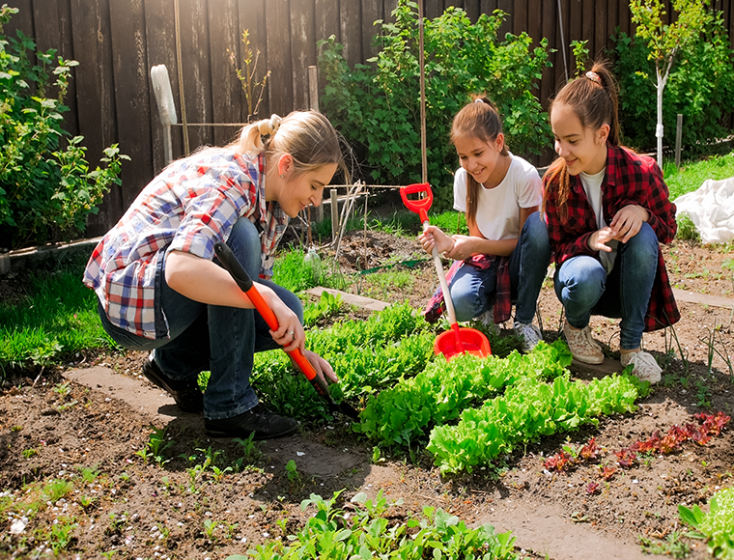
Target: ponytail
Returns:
[[593, 98], [307, 136]]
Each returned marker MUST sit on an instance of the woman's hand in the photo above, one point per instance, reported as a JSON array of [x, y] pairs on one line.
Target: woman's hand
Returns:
[[628, 221], [464, 247], [598, 240], [322, 367], [433, 236], [290, 334]]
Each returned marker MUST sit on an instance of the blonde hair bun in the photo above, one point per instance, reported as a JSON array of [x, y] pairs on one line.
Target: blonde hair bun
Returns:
[[270, 126]]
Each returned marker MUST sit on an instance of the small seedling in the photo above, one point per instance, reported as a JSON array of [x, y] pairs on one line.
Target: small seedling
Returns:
[[62, 389], [28, 453], [291, 472]]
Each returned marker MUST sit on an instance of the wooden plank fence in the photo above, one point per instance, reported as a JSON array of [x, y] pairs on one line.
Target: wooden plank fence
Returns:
[[117, 42]]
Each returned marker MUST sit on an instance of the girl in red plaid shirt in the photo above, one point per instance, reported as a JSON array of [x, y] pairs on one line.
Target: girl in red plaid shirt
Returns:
[[607, 209]]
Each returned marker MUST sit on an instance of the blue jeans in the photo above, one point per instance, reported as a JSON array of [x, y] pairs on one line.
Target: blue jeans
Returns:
[[473, 290], [220, 339], [584, 288]]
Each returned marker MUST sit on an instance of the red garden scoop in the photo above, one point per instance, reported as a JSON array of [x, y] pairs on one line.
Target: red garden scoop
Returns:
[[459, 340], [232, 265]]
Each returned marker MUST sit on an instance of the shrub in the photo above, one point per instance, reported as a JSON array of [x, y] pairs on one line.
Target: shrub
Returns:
[[377, 106], [699, 87], [47, 189]]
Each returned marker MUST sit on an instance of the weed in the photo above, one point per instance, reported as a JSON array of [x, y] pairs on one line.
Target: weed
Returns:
[[155, 447], [250, 452], [28, 453], [66, 406], [209, 527], [89, 474], [703, 394], [671, 546], [16, 429], [87, 501], [57, 489], [291, 472], [60, 535], [62, 389]]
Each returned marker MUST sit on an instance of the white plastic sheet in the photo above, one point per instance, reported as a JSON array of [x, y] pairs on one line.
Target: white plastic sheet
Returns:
[[711, 209]]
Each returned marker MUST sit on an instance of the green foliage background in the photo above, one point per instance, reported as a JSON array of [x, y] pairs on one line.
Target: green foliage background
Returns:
[[47, 188], [700, 88], [377, 106]]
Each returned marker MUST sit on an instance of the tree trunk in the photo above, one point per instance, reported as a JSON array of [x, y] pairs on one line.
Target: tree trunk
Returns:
[[659, 128]]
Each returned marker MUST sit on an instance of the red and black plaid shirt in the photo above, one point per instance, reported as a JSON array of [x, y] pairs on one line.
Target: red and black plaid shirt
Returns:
[[630, 179]]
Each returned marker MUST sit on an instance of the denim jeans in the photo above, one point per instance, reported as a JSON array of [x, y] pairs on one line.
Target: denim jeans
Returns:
[[584, 288], [220, 339], [473, 290]]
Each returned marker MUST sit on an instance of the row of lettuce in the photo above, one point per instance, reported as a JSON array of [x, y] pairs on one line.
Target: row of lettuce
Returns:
[[467, 412]]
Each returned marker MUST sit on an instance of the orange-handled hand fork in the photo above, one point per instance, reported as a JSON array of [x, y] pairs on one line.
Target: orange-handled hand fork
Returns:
[[239, 274]]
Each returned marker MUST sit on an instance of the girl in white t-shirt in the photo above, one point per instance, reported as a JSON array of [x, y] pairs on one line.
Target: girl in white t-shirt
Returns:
[[506, 254]]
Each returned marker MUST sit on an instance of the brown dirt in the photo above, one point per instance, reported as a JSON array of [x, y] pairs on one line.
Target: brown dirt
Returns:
[[109, 413]]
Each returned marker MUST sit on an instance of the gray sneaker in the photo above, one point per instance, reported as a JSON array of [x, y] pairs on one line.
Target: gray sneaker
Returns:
[[487, 319], [530, 335]]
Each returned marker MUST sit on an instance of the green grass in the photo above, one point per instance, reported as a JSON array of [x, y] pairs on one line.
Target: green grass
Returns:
[[691, 174], [59, 317]]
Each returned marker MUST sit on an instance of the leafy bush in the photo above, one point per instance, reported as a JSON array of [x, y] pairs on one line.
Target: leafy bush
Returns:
[[699, 87], [377, 106], [47, 189], [686, 228]]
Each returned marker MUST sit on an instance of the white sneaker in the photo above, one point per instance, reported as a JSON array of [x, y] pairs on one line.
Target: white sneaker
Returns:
[[583, 347], [487, 319], [645, 367], [530, 335]]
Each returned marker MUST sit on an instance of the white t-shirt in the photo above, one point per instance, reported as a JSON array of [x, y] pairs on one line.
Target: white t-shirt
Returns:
[[592, 187], [498, 209]]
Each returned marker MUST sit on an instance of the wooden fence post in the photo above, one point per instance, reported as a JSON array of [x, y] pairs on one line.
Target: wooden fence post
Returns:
[[313, 95]]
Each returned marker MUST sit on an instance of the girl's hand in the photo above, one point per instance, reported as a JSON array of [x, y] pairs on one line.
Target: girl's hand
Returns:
[[598, 240], [433, 236], [322, 367], [628, 221], [290, 334], [463, 247]]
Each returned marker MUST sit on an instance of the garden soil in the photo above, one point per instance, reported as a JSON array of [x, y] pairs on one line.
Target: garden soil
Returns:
[[144, 510]]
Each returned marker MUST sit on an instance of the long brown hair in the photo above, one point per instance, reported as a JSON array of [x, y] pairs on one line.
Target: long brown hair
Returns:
[[481, 120], [593, 98]]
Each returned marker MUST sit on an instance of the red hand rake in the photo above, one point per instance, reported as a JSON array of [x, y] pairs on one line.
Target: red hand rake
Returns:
[[459, 340]]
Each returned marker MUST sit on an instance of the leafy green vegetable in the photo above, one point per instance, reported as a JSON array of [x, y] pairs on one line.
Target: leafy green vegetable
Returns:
[[367, 533], [529, 409], [405, 413], [716, 525]]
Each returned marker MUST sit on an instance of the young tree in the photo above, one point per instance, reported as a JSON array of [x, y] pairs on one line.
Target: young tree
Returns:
[[667, 40]]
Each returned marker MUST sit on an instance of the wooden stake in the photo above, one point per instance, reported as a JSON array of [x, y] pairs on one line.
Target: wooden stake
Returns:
[[334, 216]]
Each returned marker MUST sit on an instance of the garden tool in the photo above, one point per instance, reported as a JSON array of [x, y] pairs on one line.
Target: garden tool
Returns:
[[232, 265], [458, 340]]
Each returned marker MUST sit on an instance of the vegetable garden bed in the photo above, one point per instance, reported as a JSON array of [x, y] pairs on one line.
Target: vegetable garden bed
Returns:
[[529, 444]]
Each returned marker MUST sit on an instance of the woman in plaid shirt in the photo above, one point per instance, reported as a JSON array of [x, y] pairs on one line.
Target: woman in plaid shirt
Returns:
[[159, 288], [607, 210]]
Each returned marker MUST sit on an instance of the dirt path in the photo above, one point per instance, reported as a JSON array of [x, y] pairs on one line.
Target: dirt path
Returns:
[[541, 529]]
